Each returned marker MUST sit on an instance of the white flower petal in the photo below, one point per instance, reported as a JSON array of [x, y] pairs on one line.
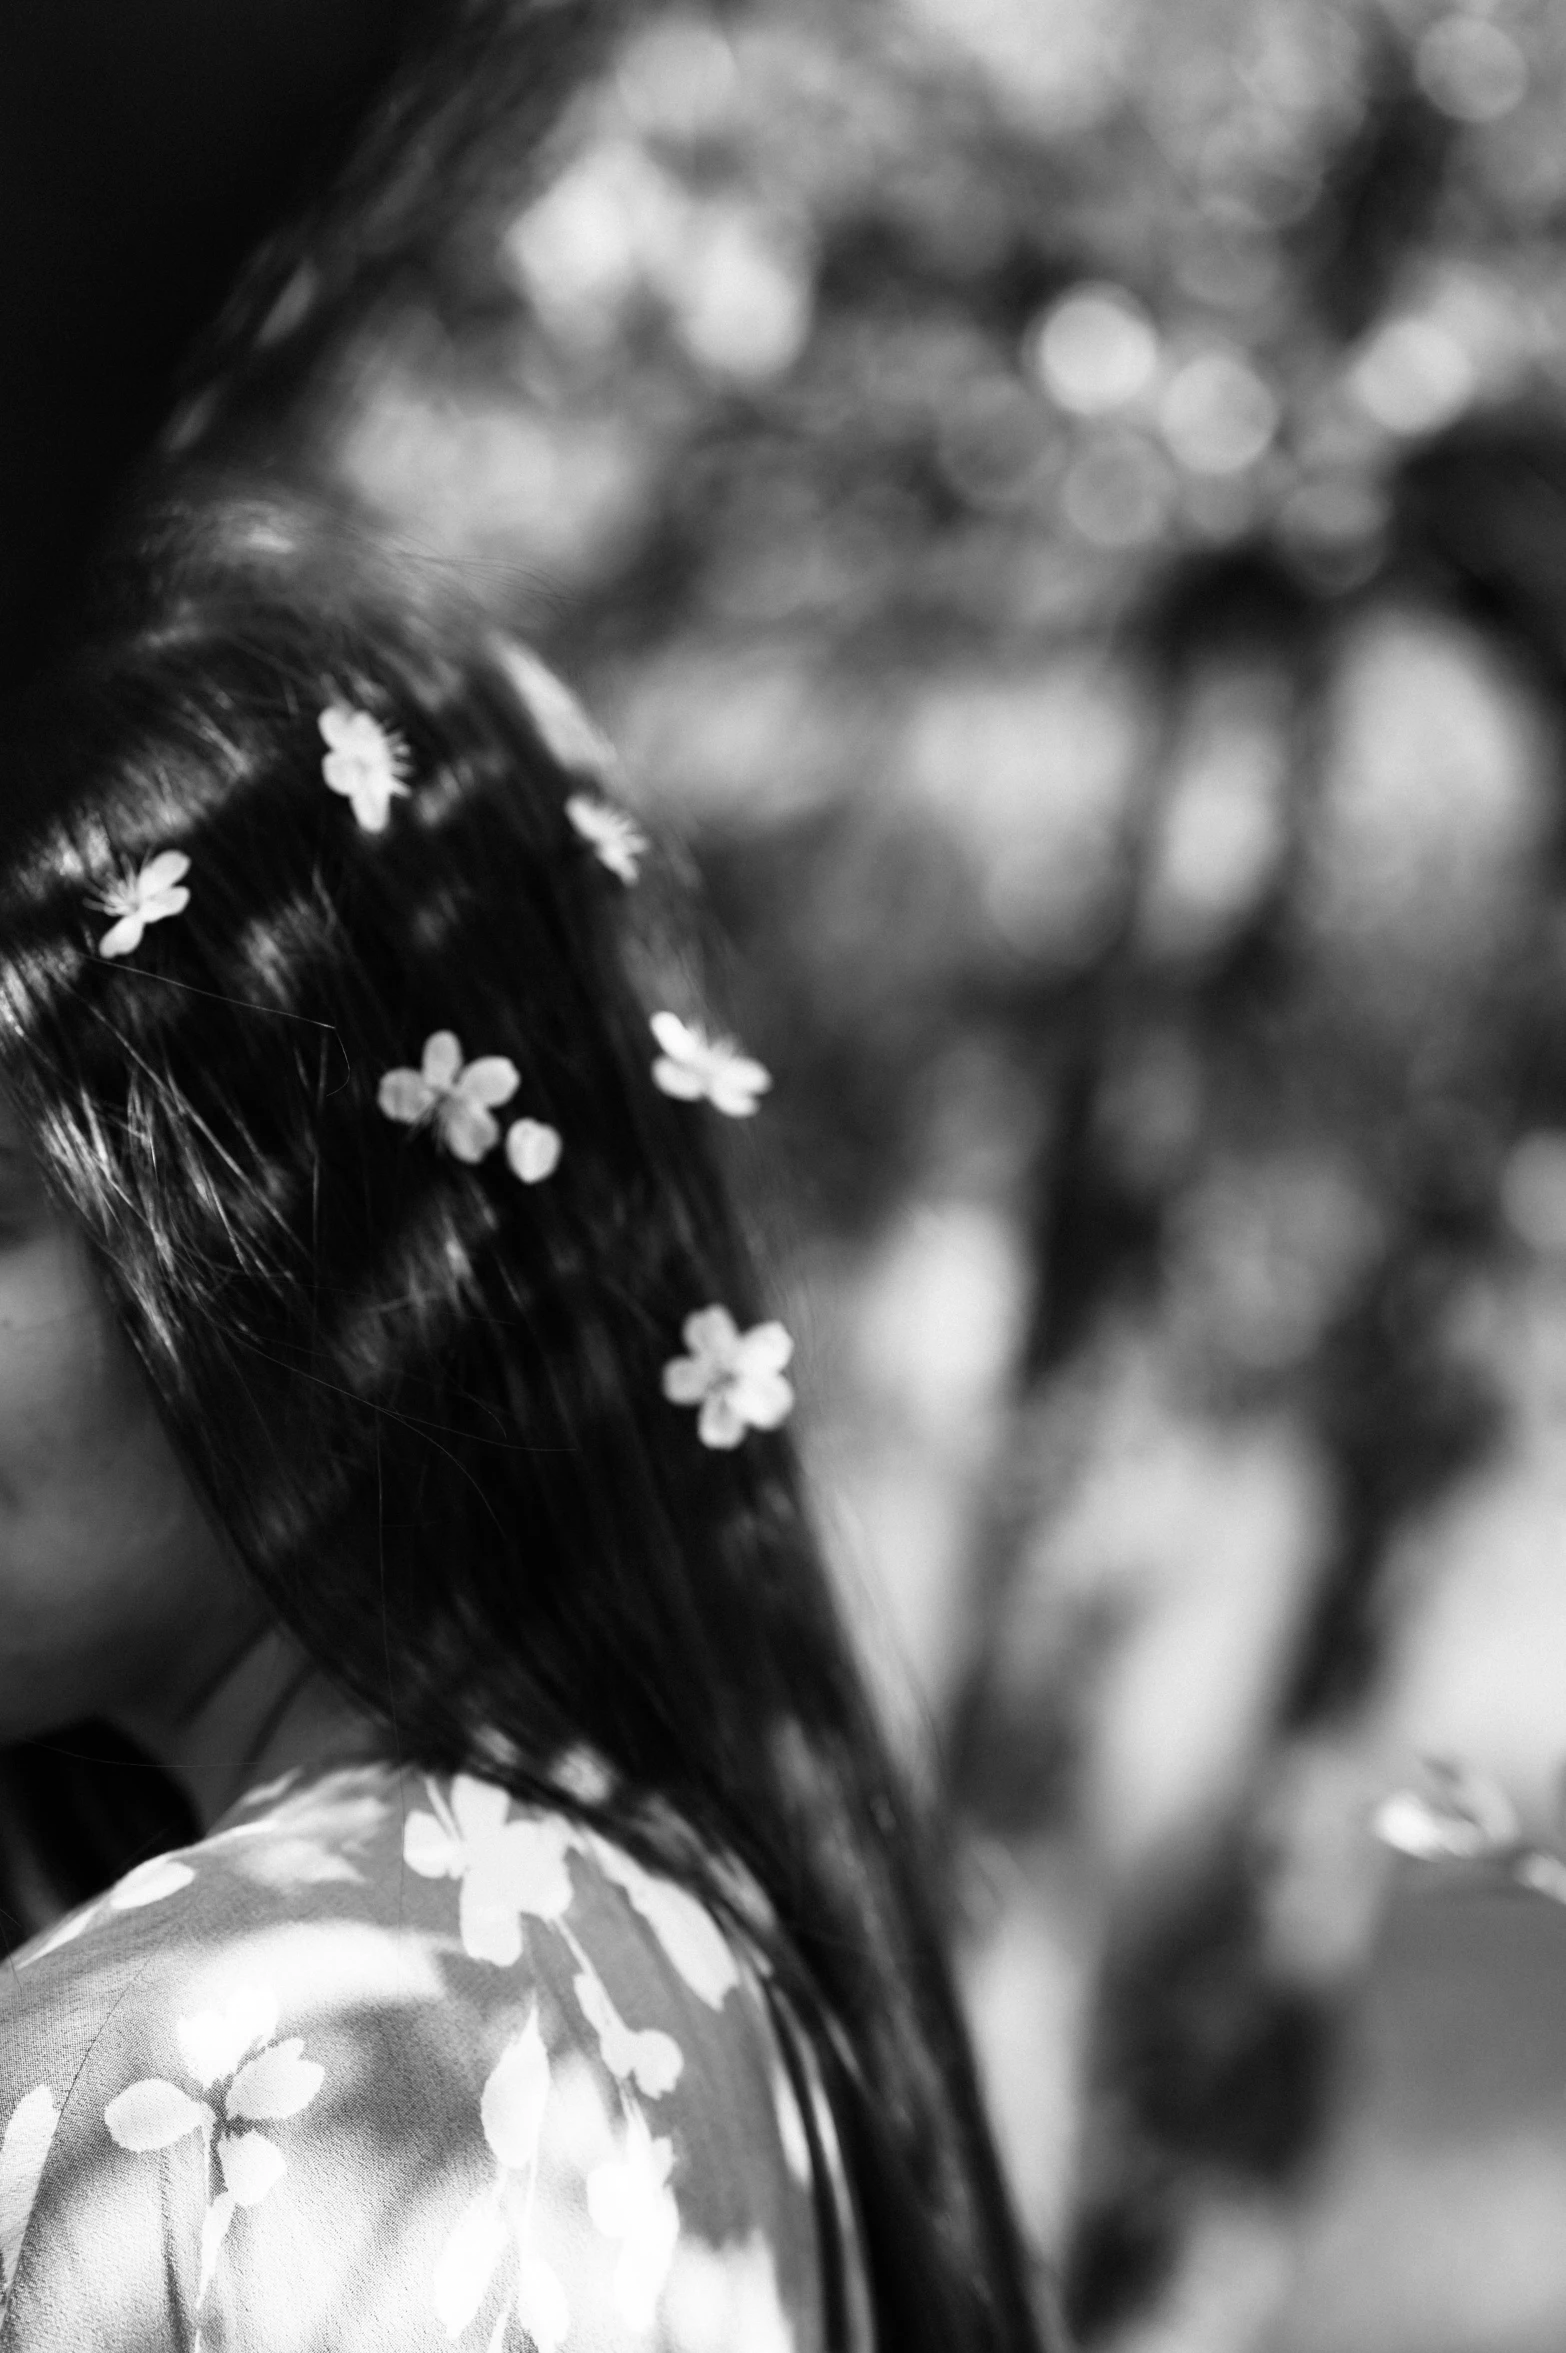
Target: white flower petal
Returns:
[[214, 2041], [685, 1928], [214, 2230], [490, 1081], [515, 2096], [764, 1400], [480, 1808], [441, 1059], [491, 1926], [122, 937], [466, 1129], [429, 1849], [152, 2113], [767, 1348], [406, 1095], [720, 1424], [466, 2264], [677, 1041], [532, 1150], [734, 1089], [150, 1882], [677, 1079], [685, 1380], [277, 2083], [252, 2165], [542, 2307], [23, 2154], [712, 1334], [168, 867]]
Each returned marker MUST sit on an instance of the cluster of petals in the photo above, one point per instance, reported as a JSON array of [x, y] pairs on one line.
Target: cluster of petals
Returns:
[[734, 1378], [364, 762], [155, 890], [616, 840], [692, 1066], [458, 1101]]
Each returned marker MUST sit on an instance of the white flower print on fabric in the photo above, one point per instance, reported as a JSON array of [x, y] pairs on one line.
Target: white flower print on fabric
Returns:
[[364, 762], [511, 2111], [721, 2298], [735, 1377], [231, 2054], [692, 1066], [151, 894], [151, 1882], [616, 841], [532, 1150], [23, 2154], [308, 1839], [645, 2056], [457, 1098], [506, 1867], [685, 1928], [629, 2199]]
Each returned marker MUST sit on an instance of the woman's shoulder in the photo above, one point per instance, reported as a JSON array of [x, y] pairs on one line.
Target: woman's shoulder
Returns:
[[390, 2057]]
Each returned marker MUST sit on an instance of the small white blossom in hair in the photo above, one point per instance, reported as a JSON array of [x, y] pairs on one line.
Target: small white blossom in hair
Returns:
[[735, 1377], [364, 762], [616, 840], [532, 1150], [457, 1098], [692, 1065], [154, 891]]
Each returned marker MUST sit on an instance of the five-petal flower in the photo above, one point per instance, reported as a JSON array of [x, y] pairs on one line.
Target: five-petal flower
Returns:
[[155, 890], [364, 762], [692, 1065], [616, 840], [735, 1377], [458, 1098], [506, 1867]]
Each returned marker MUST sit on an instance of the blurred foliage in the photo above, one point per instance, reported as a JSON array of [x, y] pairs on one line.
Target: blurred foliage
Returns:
[[1061, 505]]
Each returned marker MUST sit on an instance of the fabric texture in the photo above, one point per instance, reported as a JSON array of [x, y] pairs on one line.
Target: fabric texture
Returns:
[[389, 2061]]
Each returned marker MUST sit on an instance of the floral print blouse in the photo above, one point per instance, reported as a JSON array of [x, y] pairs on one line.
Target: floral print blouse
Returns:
[[389, 2061]]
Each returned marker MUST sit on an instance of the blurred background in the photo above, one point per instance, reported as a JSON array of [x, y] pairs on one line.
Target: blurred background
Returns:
[[1060, 506]]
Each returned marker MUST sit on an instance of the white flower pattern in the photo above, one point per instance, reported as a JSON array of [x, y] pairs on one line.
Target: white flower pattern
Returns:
[[457, 1098], [23, 2153], [734, 1377], [230, 2054], [150, 894], [487, 2005], [616, 841], [692, 1067], [630, 2200], [365, 762], [507, 1866]]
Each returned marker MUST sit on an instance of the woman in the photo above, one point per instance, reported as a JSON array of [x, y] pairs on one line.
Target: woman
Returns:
[[390, 1448]]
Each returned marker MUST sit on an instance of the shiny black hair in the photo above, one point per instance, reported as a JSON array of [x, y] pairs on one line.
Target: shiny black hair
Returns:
[[423, 1401]]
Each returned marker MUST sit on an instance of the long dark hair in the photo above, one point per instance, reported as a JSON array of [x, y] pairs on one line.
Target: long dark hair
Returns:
[[423, 1402]]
